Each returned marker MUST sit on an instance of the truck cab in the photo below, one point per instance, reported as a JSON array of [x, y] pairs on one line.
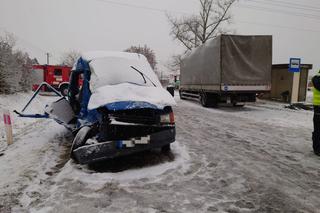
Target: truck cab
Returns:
[[56, 76]]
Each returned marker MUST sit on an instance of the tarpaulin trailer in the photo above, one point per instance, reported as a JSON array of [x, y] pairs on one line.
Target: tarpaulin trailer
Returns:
[[227, 69]]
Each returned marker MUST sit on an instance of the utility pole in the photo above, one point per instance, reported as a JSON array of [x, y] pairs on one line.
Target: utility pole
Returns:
[[48, 56]]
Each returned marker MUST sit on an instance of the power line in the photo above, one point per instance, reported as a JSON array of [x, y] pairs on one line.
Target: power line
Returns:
[[293, 4], [286, 5], [142, 7], [245, 22], [297, 14], [250, 7], [271, 10], [280, 26]]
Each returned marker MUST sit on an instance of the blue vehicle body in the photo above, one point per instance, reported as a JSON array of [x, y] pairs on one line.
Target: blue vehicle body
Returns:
[[113, 129]]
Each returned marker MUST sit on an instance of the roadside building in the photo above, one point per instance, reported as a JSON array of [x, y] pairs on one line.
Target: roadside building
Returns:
[[288, 87]]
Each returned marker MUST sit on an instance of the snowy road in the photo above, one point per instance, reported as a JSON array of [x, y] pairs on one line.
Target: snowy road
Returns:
[[252, 159]]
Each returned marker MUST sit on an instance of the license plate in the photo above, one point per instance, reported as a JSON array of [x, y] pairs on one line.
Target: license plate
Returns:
[[143, 140], [136, 141], [129, 144]]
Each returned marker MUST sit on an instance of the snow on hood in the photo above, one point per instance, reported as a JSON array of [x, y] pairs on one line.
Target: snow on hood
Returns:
[[118, 77], [130, 92]]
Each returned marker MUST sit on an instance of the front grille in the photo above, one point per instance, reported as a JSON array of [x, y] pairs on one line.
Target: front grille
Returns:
[[140, 116]]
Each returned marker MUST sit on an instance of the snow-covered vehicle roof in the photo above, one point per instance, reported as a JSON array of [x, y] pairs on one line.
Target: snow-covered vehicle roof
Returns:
[[121, 76]]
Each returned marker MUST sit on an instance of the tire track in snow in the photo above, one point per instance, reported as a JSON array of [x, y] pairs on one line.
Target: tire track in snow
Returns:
[[237, 141], [22, 163]]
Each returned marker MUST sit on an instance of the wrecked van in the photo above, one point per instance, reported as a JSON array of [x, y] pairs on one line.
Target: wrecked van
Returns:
[[120, 107]]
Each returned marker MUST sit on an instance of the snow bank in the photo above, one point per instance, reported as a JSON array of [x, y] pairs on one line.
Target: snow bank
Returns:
[[17, 102], [27, 149], [22, 127]]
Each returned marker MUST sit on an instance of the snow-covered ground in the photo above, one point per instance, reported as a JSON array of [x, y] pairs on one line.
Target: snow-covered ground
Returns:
[[17, 102], [252, 159]]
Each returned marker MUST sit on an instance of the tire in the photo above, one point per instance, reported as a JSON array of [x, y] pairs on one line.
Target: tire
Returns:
[[64, 89], [80, 138], [238, 105], [214, 100], [204, 100], [166, 148], [181, 97]]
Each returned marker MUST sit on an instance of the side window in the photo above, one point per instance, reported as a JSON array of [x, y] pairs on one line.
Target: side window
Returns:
[[58, 72]]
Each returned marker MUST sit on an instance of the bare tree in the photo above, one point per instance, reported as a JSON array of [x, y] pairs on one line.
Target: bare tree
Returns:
[[174, 64], [69, 58], [147, 52], [195, 30]]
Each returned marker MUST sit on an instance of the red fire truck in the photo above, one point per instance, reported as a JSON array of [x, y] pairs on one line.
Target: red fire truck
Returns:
[[56, 76]]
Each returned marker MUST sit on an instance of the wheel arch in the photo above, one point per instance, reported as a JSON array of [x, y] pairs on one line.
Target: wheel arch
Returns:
[[63, 84]]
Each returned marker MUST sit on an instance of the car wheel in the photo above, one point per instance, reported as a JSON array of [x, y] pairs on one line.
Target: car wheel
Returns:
[[80, 138], [166, 148]]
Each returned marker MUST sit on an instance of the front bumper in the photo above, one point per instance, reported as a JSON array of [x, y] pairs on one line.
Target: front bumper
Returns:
[[110, 149]]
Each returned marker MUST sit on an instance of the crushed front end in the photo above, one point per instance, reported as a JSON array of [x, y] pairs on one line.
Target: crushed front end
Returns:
[[124, 130]]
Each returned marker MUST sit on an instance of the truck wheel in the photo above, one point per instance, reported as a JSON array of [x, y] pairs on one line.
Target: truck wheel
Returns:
[[204, 100], [214, 100], [181, 97], [80, 139], [166, 148], [238, 105], [64, 90]]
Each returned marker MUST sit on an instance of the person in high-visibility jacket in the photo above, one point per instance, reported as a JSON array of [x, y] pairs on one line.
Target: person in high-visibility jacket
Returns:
[[316, 115]]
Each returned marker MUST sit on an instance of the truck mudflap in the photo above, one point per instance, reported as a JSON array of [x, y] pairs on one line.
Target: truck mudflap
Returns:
[[106, 150]]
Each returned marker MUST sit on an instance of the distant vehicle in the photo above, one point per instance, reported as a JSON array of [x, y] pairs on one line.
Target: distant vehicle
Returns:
[[121, 107], [228, 69], [55, 76]]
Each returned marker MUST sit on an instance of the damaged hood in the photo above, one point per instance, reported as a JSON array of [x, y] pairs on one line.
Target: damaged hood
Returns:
[[135, 94]]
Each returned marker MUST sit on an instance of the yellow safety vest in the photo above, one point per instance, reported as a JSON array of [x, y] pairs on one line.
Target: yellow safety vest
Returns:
[[316, 95]]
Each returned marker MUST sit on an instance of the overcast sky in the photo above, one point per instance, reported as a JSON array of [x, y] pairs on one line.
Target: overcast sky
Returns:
[[57, 26]]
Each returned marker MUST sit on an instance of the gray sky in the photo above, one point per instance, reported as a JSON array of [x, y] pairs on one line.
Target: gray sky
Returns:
[[57, 26]]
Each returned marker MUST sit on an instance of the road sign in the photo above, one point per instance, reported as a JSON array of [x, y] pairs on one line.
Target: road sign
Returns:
[[294, 65]]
